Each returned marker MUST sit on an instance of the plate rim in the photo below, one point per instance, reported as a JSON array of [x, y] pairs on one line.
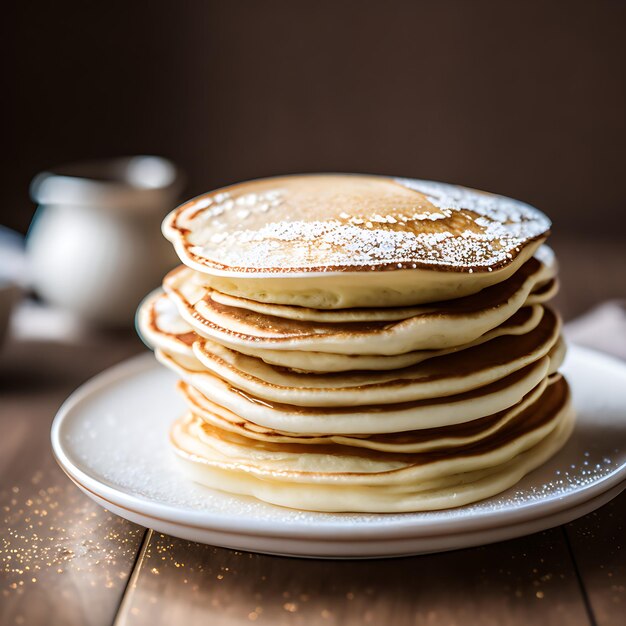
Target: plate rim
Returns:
[[396, 529], [376, 548]]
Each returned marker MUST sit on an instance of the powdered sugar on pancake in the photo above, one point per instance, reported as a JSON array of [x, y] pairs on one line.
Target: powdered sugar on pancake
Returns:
[[353, 223]]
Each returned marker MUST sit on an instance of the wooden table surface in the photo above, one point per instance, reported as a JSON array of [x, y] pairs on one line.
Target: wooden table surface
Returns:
[[64, 560]]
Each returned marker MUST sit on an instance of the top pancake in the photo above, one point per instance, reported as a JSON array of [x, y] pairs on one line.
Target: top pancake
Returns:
[[301, 240]]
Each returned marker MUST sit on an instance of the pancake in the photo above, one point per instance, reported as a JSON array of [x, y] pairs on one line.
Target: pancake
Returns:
[[557, 355], [161, 327], [435, 378], [462, 489], [325, 464], [340, 478], [542, 293], [444, 325], [342, 241], [371, 419], [429, 439], [525, 320], [539, 294]]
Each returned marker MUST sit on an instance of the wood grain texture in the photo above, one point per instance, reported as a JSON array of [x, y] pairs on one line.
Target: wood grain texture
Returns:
[[63, 559], [525, 581], [598, 543]]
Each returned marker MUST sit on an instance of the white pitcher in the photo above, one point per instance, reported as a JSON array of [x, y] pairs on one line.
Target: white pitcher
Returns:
[[95, 244]]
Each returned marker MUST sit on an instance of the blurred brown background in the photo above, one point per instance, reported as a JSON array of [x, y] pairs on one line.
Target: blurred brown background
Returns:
[[523, 98]]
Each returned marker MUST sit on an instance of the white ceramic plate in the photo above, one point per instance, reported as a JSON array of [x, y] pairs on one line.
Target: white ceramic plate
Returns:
[[110, 437]]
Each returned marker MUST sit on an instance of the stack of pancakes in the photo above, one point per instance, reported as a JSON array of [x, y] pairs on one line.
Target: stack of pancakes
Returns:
[[361, 343]]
